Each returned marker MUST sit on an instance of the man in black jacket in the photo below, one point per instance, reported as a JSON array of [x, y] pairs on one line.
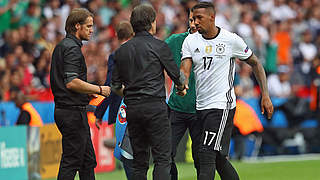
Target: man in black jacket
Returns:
[[68, 79], [139, 76]]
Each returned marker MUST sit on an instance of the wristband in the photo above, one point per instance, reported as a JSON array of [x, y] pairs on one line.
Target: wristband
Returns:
[[100, 88]]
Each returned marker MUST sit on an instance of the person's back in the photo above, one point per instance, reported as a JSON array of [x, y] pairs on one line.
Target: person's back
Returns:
[[138, 75], [143, 69], [117, 108]]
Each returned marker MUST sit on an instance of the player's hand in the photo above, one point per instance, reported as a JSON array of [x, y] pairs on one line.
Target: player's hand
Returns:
[[266, 106], [98, 122], [183, 92], [106, 90]]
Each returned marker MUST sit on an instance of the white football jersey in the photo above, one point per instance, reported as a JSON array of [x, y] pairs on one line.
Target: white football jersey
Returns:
[[214, 67]]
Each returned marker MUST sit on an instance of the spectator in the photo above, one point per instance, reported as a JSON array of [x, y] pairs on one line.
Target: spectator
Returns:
[[32, 17], [5, 15], [17, 12], [314, 20], [65, 10], [278, 84], [299, 25], [244, 28], [247, 29], [315, 88], [43, 42], [283, 39], [41, 74], [51, 9], [107, 11], [307, 48], [245, 81], [13, 39], [281, 11]]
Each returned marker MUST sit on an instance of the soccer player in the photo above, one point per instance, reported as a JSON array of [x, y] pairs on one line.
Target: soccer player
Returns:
[[212, 52], [182, 112]]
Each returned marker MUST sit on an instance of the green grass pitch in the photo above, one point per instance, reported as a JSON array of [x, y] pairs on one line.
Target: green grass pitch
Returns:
[[287, 170]]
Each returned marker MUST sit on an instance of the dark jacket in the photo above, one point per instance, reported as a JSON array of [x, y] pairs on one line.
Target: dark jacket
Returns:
[[140, 65]]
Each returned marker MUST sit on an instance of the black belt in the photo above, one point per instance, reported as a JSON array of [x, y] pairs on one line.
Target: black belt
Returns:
[[72, 107], [143, 98]]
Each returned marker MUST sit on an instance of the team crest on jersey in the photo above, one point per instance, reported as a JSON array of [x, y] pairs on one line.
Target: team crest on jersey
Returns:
[[246, 50], [220, 48], [122, 115], [208, 49]]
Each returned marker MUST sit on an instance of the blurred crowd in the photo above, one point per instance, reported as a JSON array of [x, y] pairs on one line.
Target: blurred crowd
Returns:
[[30, 29], [286, 37], [285, 34]]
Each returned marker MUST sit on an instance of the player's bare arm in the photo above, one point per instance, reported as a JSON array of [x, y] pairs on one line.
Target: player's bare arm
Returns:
[[260, 75], [185, 70]]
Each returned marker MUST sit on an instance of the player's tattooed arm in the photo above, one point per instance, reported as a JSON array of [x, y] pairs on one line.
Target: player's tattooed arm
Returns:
[[260, 75], [185, 68], [182, 77]]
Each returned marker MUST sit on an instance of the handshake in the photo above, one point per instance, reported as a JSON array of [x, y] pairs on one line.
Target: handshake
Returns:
[[182, 90]]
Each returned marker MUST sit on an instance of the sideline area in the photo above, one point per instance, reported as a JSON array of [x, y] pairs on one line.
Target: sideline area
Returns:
[[293, 168]]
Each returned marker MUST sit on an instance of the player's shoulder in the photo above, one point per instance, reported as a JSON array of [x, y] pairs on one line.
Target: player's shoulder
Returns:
[[230, 37], [228, 34]]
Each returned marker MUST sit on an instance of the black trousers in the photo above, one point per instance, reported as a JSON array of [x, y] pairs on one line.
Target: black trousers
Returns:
[[149, 126], [77, 149], [180, 122], [216, 132]]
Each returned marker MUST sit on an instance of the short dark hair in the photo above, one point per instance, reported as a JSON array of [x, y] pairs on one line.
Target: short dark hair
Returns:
[[206, 5], [188, 10], [124, 30], [142, 17], [77, 15]]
